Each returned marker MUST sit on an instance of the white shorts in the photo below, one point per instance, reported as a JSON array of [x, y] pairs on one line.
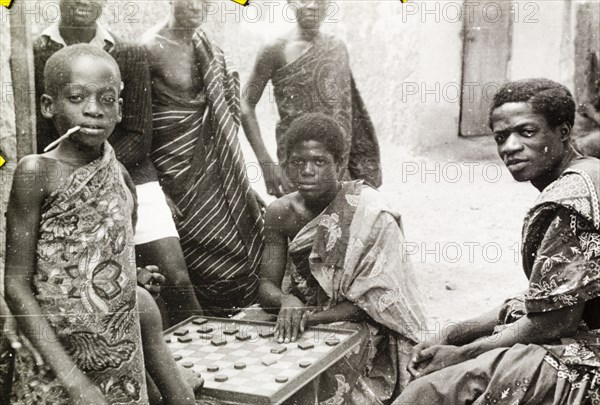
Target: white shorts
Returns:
[[154, 219]]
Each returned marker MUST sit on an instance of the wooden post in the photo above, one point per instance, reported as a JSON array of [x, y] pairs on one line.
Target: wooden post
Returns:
[[21, 67]]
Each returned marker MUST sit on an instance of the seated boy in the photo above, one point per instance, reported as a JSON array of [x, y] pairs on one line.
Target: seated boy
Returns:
[[345, 242], [70, 264]]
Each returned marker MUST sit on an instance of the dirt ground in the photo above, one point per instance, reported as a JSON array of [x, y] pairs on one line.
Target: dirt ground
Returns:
[[462, 220]]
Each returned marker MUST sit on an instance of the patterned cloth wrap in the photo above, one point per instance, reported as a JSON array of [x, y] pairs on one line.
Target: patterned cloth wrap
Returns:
[[85, 283], [353, 251], [320, 80], [201, 168]]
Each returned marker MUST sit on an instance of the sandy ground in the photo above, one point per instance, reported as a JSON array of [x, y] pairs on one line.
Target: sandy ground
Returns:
[[462, 220]]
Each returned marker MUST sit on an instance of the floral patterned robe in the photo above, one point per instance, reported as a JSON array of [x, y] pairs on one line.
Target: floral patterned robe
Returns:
[[85, 282], [353, 251]]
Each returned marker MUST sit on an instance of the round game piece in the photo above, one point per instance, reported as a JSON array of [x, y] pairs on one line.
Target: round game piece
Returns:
[[278, 350], [332, 341], [177, 357], [199, 321], [187, 364], [239, 366], [167, 340], [212, 368], [221, 378], [181, 332], [281, 379], [305, 363]]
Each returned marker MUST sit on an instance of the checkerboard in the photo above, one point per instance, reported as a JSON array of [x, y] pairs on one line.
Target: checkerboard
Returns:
[[250, 378]]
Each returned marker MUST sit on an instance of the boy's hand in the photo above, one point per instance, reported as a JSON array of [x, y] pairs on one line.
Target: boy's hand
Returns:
[[289, 319], [151, 279]]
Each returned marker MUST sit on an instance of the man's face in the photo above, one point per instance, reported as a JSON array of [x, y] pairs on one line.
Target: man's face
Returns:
[[312, 169], [309, 13], [529, 147], [89, 98], [81, 13], [188, 13]]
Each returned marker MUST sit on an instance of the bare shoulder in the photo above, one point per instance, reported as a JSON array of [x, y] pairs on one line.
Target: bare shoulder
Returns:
[[272, 53], [152, 41], [31, 178], [283, 212]]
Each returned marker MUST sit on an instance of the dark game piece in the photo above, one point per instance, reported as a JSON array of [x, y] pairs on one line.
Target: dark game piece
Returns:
[[281, 379], [332, 341], [177, 357], [218, 341], [199, 321], [239, 366], [306, 345], [221, 378], [167, 340], [181, 332], [212, 368], [205, 329], [230, 330], [278, 349], [267, 333], [243, 336], [187, 364], [184, 339], [205, 336], [305, 364]]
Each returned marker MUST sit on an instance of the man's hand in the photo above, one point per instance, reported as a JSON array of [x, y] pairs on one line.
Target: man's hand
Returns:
[[427, 360], [275, 180], [151, 279], [289, 319]]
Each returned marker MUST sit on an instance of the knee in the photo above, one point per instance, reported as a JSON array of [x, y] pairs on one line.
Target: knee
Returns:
[[419, 391]]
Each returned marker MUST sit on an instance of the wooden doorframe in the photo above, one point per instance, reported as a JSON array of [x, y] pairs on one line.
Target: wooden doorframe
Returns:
[[487, 45]]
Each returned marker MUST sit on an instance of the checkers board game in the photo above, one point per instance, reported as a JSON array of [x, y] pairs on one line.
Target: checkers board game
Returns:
[[240, 361]]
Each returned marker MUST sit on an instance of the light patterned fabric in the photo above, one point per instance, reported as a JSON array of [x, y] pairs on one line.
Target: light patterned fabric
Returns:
[[353, 252], [320, 80], [201, 168], [85, 283]]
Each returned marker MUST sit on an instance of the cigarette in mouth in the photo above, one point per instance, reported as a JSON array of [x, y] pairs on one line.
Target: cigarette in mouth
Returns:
[[66, 135]]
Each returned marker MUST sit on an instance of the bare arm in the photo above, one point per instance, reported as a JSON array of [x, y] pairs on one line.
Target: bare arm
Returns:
[[538, 328], [157, 358], [343, 312], [289, 308], [23, 217], [274, 258], [262, 72]]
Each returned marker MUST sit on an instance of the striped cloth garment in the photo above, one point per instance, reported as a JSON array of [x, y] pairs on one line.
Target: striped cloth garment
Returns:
[[201, 168]]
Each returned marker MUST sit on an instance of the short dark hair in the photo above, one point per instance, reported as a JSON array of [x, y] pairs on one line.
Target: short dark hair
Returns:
[[548, 98], [316, 127], [57, 69]]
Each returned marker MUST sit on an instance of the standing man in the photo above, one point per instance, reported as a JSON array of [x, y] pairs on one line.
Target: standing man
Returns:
[[310, 72], [156, 238], [195, 105], [539, 347]]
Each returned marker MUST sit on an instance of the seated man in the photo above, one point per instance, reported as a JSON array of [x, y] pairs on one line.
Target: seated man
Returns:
[[540, 346], [346, 244]]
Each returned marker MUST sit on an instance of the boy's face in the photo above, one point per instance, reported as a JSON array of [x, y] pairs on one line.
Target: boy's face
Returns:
[[80, 13], [89, 98], [188, 13], [309, 13], [527, 144], [312, 169]]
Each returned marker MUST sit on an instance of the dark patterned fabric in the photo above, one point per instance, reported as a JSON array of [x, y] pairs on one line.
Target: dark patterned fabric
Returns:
[[85, 283], [320, 80], [201, 167]]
